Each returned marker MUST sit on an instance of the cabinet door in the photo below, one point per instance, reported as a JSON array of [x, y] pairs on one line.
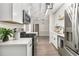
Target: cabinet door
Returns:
[[5, 11], [17, 12], [29, 48], [54, 40]]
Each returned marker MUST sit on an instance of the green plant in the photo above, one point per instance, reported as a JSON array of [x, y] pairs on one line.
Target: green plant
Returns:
[[5, 33]]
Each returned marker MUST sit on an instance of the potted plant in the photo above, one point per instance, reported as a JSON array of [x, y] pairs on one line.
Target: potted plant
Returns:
[[5, 34]]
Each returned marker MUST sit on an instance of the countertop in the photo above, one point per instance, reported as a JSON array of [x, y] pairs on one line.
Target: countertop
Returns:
[[21, 41], [61, 34], [33, 33]]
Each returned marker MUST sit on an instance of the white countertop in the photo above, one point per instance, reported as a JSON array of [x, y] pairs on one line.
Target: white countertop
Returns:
[[21, 41], [61, 34], [33, 33]]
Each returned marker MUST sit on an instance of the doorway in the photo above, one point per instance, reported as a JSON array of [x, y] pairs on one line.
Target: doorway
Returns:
[[36, 28]]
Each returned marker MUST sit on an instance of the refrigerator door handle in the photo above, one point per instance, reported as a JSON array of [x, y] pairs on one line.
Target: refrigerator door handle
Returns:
[[77, 25]]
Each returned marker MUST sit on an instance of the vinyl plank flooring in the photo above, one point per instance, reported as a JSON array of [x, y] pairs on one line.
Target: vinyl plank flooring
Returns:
[[43, 48]]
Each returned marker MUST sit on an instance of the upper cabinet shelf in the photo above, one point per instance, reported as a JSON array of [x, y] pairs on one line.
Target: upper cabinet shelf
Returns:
[[61, 17]]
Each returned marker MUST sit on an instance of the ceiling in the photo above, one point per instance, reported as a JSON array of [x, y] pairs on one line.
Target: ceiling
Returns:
[[38, 10]]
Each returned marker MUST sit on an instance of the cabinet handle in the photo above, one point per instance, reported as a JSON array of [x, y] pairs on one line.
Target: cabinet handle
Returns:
[[30, 45]]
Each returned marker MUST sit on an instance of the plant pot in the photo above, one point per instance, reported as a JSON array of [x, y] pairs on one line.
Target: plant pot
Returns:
[[5, 39]]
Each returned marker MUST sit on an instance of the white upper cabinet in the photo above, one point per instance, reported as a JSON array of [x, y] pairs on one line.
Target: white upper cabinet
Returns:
[[12, 12], [5, 11]]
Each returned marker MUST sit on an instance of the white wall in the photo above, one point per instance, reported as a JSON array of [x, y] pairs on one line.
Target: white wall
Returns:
[[44, 27], [27, 27], [38, 12], [51, 26]]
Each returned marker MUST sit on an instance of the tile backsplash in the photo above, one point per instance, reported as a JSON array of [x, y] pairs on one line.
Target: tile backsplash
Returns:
[[12, 26], [9, 25]]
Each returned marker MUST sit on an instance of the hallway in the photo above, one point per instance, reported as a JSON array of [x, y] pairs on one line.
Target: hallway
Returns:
[[44, 48]]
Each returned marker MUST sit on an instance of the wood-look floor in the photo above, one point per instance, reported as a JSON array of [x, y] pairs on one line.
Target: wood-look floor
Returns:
[[43, 48]]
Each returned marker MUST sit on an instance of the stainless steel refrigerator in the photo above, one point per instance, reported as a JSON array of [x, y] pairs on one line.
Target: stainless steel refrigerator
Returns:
[[71, 42]]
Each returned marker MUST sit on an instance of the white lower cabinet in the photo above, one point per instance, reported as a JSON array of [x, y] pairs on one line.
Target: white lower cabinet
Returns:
[[13, 50], [18, 48], [53, 39]]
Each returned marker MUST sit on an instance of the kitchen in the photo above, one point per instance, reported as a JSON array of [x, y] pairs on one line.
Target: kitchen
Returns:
[[54, 21], [14, 17]]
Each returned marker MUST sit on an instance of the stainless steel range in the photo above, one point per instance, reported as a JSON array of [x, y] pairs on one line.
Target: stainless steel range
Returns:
[[71, 46]]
